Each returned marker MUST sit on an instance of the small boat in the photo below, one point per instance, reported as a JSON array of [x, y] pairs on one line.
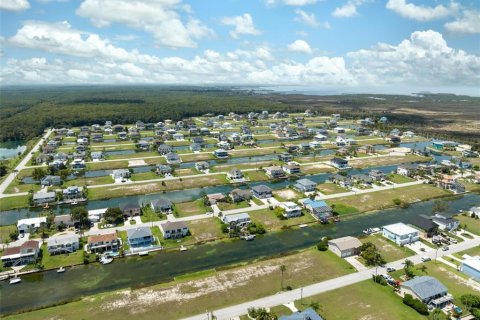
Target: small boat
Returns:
[[74, 202], [183, 248], [250, 237], [106, 260], [143, 253], [303, 225], [61, 270], [15, 280]]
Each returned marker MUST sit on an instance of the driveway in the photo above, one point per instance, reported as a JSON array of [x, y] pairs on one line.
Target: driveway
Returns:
[[355, 263], [418, 246]]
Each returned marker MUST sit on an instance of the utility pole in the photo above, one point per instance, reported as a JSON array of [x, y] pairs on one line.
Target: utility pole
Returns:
[[301, 296]]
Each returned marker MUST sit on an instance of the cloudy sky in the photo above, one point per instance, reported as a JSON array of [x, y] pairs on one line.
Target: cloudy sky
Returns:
[[385, 46]]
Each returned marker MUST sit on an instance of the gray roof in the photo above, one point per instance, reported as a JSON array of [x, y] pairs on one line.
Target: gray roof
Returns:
[[261, 188], [307, 314], [43, 195], [235, 217], [162, 201], [139, 232], [63, 240], [425, 287], [169, 225], [306, 182]]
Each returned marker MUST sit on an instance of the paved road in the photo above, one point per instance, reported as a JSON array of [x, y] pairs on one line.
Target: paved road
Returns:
[[6, 182], [321, 287]]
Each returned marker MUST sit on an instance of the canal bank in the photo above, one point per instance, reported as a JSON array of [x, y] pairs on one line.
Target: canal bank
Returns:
[[48, 288]]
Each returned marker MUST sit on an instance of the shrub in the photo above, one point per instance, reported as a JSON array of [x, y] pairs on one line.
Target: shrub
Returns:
[[415, 304], [379, 279], [397, 201], [323, 245]]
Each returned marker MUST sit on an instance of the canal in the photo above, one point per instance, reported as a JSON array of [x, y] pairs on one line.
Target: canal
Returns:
[[47, 288]]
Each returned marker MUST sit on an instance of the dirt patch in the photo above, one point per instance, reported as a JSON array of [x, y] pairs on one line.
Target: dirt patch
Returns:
[[137, 188], [136, 163], [459, 279], [286, 194]]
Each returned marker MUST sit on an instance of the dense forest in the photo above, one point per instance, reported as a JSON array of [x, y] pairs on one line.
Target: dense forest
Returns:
[[26, 111]]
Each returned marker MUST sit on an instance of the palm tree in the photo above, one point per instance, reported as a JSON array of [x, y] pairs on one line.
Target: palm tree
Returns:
[[408, 264], [282, 269]]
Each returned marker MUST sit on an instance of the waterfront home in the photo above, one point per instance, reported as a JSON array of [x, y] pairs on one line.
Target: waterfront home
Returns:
[[30, 224], [239, 219], [195, 147], [393, 139], [428, 290], [290, 209], [444, 145], [234, 174], [305, 185], [178, 136], [78, 164], [161, 204], [97, 155], [63, 244], [383, 119], [285, 157], [220, 153], [173, 158], [291, 168], [339, 163], [362, 179], [140, 237], [48, 181], [43, 197], [343, 181], [63, 220], [340, 141], [315, 144], [103, 242], [451, 183], [262, 191], [471, 266], [320, 137], [339, 130], [307, 314], [400, 233], [60, 157], [367, 149], [174, 230], [121, 174], [164, 149], [318, 208], [130, 209], [238, 195], [143, 145], [73, 192], [24, 254], [122, 135], [345, 247], [445, 221], [213, 198], [274, 172], [202, 165], [407, 170], [140, 125], [377, 175], [97, 137], [163, 169], [224, 145], [199, 140]]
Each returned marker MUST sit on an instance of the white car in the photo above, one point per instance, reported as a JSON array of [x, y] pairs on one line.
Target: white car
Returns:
[[426, 258]]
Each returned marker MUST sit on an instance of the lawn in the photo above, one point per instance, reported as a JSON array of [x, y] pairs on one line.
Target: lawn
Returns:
[[17, 186], [191, 208], [149, 215], [133, 155], [271, 222], [203, 291], [363, 300], [384, 199], [388, 160], [9, 203], [107, 165], [330, 188], [255, 152], [191, 157], [205, 229], [145, 176], [388, 249], [89, 181], [316, 169], [475, 251], [398, 178], [473, 225], [242, 166], [256, 175], [61, 260], [287, 194], [230, 206], [5, 232]]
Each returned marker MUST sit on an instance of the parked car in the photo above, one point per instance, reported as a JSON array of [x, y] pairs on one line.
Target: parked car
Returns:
[[445, 248], [426, 258], [391, 269]]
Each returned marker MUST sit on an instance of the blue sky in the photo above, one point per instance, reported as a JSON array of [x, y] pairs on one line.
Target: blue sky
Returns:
[[384, 46]]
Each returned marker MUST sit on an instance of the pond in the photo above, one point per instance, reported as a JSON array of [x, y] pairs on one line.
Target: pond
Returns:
[[11, 149], [47, 288]]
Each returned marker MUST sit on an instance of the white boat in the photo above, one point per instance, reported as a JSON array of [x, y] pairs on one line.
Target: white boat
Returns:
[[15, 280], [106, 260], [74, 202], [61, 270], [183, 248], [250, 237], [303, 225], [143, 253]]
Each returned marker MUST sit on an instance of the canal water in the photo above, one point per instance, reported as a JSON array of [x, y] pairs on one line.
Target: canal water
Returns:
[[47, 288], [11, 149]]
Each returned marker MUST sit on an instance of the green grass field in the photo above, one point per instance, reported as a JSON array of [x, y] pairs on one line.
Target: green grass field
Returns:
[[389, 250], [10, 203], [5, 232], [473, 225], [191, 208], [256, 176], [330, 188], [398, 178], [271, 222], [61, 260], [230, 206]]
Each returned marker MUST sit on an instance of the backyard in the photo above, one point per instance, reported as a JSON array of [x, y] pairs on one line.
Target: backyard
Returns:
[[271, 222]]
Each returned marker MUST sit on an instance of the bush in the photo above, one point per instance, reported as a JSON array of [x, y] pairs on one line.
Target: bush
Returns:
[[379, 279], [224, 228], [322, 245], [415, 304], [397, 201]]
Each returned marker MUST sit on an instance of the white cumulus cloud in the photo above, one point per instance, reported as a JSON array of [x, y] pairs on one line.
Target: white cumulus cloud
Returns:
[[468, 23], [242, 25], [300, 46], [309, 19], [420, 12], [296, 3], [14, 5], [349, 9], [160, 18]]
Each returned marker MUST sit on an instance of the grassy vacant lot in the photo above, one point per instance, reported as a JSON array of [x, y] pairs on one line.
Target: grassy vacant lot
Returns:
[[17, 187], [384, 199], [60, 260], [107, 165], [89, 181], [241, 166], [330, 188], [312, 159], [149, 215], [196, 157], [398, 178], [388, 249], [256, 175], [364, 300], [205, 229], [9, 203], [153, 187], [230, 206], [286, 194], [145, 176], [473, 225], [202, 291], [133, 155], [254, 152], [316, 169], [383, 161], [5, 232], [471, 252], [268, 218], [191, 208]]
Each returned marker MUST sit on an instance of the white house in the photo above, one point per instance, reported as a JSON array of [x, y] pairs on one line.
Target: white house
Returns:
[[291, 209], [401, 233], [24, 225]]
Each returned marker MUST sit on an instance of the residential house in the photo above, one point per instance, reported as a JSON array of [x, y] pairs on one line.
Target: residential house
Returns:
[[407, 170], [73, 192], [238, 195], [290, 209], [341, 180], [173, 158], [444, 145], [239, 220], [194, 147], [315, 144], [428, 290], [274, 172], [174, 230], [318, 208], [21, 255], [262, 191], [320, 137], [471, 266], [445, 221], [224, 145], [339, 163], [377, 175], [121, 174], [393, 139], [63, 244], [164, 149], [345, 247], [367, 149], [63, 220], [78, 164], [213, 198], [30, 224], [140, 237], [362, 179], [97, 155], [103, 242], [234, 174], [130, 209], [139, 125], [291, 168], [220, 153], [339, 130], [202, 165], [400, 233], [122, 135], [199, 140], [40, 197], [51, 181], [307, 314], [143, 145], [163, 169], [305, 185], [285, 157], [161, 204]]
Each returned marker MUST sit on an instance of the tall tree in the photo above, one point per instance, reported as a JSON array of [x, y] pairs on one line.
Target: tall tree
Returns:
[[282, 269]]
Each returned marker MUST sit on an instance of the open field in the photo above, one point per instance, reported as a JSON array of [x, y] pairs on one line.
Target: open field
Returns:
[[330, 188], [19, 187], [202, 291], [191, 208], [5, 232], [230, 206], [256, 175], [384, 199], [13, 203], [89, 181], [271, 222], [384, 161], [398, 178], [388, 249], [107, 165], [316, 169], [286, 194], [205, 229], [473, 225]]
